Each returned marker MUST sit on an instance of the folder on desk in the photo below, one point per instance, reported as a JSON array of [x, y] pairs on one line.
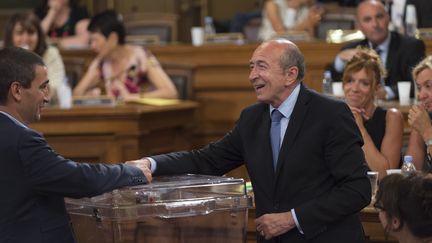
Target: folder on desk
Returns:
[[93, 101], [154, 101]]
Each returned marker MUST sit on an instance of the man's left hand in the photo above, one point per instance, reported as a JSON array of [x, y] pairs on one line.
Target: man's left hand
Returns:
[[144, 165], [274, 224]]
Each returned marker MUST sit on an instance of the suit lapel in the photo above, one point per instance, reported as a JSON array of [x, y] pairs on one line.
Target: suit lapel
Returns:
[[391, 55], [294, 125]]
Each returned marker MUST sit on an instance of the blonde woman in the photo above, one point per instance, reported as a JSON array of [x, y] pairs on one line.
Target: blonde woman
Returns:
[[381, 129], [420, 142]]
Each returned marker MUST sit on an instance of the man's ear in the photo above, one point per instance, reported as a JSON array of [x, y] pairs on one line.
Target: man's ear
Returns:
[[291, 75], [15, 91], [395, 223]]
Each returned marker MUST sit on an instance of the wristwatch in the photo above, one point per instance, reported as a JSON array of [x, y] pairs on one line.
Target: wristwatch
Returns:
[[428, 142]]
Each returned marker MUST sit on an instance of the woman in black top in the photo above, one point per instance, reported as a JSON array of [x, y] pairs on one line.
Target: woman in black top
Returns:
[[64, 22], [382, 130]]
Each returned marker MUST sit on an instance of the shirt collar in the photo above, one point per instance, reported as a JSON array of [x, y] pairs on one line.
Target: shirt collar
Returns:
[[13, 119], [384, 46], [287, 106]]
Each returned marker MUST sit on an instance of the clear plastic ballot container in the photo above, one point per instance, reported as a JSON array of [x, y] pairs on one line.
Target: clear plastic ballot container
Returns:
[[186, 208]]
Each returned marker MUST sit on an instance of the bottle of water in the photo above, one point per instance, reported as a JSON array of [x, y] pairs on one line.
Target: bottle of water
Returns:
[[64, 94], [408, 166], [209, 28], [411, 21], [327, 83]]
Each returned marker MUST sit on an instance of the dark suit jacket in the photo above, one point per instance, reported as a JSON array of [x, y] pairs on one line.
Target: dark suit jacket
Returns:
[[423, 11], [321, 170], [34, 180], [403, 55]]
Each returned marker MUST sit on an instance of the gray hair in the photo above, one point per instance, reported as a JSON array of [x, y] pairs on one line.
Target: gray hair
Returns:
[[292, 56]]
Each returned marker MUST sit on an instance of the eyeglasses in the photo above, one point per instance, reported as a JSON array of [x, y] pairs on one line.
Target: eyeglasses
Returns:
[[378, 206]]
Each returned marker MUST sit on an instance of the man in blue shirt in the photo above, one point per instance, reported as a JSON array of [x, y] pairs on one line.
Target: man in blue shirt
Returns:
[[302, 151], [398, 53]]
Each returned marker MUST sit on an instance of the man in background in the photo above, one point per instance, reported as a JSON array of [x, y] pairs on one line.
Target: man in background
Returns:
[[398, 53], [34, 178]]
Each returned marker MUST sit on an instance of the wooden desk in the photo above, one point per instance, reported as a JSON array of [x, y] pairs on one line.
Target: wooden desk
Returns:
[[220, 78], [368, 216], [118, 133]]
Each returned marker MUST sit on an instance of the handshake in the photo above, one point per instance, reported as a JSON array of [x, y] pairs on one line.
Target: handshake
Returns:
[[144, 165]]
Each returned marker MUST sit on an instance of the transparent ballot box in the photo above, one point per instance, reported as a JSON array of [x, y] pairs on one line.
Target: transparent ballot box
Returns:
[[183, 209]]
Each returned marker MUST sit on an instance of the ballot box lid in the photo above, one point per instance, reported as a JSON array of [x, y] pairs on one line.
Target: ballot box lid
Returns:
[[166, 197]]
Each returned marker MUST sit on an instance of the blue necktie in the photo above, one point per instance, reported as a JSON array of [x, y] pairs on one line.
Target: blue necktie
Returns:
[[377, 50], [275, 137]]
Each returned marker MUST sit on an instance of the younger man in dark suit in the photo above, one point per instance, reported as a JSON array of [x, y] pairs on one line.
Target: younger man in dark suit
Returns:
[[33, 178], [302, 151], [398, 53]]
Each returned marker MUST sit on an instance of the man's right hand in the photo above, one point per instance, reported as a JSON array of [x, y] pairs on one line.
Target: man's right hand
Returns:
[[347, 54], [144, 165]]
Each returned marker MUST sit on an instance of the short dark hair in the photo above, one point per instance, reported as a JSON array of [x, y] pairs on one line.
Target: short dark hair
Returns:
[[408, 198], [17, 65], [107, 22], [30, 23]]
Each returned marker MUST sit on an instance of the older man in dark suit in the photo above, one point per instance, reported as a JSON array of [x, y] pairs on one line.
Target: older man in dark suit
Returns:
[[398, 53], [302, 151], [33, 178]]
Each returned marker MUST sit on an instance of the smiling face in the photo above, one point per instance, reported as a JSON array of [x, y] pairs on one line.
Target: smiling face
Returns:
[[373, 21], [359, 89], [272, 84], [34, 98], [424, 85], [24, 38]]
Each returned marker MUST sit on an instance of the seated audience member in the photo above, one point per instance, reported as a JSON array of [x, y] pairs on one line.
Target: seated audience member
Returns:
[[423, 13], [282, 15], [128, 72], [420, 141], [24, 30], [381, 129], [65, 22], [398, 53], [404, 204], [242, 19]]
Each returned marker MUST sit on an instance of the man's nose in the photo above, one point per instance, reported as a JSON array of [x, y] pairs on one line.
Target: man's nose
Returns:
[[376, 23], [46, 95], [252, 74]]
